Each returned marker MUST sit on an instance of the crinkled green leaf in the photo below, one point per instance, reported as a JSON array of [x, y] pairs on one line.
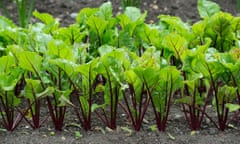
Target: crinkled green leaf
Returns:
[[175, 43], [199, 27], [84, 14], [175, 24], [149, 35], [105, 10], [133, 13], [226, 93], [63, 98], [6, 63], [32, 88], [59, 49], [30, 61], [5, 22], [47, 92], [97, 24], [51, 23], [67, 66], [105, 49], [71, 34], [44, 17], [207, 8]]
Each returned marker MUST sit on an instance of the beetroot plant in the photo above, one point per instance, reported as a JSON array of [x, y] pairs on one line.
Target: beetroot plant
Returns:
[[9, 77], [169, 81], [211, 67], [84, 93], [136, 100], [35, 89], [111, 67]]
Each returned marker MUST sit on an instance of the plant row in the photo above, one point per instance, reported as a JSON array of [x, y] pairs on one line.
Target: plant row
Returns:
[[104, 62]]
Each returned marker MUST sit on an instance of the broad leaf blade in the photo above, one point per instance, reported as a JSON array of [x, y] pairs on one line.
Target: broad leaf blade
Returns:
[[30, 61], [207, 8]]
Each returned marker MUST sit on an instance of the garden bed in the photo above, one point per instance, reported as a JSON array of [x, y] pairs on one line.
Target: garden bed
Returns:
[[177, 130]]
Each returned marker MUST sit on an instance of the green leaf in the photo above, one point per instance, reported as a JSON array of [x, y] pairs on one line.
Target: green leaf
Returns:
[[97, 25], [63, 98], [51, 23], [9, 73], [67, 66], [175, 24], [32, 88], [134, 80], [148, 75], [8, 81], [125, 40], [105, 11], [85, 105], [10, 100], [207, 8], [96, 106], [105, 49], [44, 17], [133, 13], [6, 63], [149, 35], [78, 135], [70, 35], [84, 14], [226, 93], [232, 107], [59, 49], [30, 61], [5, 22], [47, 92], [88, 68], [175, 43], [199, 28]]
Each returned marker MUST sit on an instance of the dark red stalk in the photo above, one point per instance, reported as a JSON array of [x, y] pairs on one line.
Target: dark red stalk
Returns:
[[135, 119], [9, 122], [161, 121], [236, 85]]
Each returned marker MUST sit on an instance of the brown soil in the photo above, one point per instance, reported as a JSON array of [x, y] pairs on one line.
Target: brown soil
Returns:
[[177, 129]]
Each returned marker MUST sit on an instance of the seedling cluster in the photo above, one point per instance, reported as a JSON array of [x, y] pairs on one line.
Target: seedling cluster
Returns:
[[103, 63]]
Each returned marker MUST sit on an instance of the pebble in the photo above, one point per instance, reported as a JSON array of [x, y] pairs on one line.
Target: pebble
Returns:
[[178, 116], [73, 15], [63, 138], [154, 6], [27, 127]]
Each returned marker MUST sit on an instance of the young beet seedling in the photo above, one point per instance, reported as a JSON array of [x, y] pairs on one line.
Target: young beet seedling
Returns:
[[9, 77], [136, 99], [194, 104], [169, 81], [111, 67], [213, 70], [34, 94], [84, 92]]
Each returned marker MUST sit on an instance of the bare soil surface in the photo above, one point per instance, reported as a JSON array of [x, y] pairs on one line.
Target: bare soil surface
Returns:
[[177, 129]]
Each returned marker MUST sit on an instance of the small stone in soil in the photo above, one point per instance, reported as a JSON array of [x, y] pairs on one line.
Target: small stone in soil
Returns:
[[63, 138], [155, 7], [73, 15]]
